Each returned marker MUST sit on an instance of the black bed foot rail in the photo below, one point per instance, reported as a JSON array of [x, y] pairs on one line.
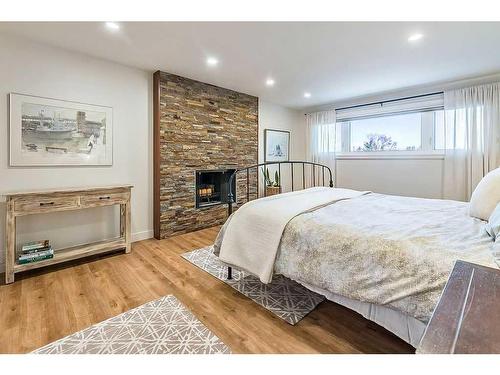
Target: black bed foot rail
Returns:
[[229, 273]]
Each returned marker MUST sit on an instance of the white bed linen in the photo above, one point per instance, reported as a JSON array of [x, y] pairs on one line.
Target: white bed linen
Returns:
[[386, 257], [402, 325], [388, 250], [254, 232]]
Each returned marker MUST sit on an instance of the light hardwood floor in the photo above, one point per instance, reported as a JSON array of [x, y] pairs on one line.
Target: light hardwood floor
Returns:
[[45, 305]]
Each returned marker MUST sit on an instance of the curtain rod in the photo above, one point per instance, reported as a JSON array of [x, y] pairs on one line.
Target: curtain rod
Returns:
[[388, 101]]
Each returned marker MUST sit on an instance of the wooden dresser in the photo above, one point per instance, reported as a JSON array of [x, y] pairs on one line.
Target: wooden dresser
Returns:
[[466, 318], [39, 202]]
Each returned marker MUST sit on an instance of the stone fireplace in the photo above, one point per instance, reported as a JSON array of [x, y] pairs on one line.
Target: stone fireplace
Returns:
[[201, 134]]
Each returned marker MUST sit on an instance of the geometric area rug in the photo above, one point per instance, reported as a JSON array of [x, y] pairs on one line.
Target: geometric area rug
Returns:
[[283, 297], [162, 326]]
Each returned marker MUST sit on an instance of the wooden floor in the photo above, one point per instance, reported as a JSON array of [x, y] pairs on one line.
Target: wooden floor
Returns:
[[43, 306]]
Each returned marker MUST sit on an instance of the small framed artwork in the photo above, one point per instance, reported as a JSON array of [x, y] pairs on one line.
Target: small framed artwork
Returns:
[[52, 132], [276, 145]]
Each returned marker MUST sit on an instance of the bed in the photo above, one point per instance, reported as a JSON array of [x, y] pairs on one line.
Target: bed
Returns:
[[385, 257]]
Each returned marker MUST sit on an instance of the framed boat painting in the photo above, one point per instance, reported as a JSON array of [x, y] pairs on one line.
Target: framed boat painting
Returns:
[[276, 145], [52, 132]]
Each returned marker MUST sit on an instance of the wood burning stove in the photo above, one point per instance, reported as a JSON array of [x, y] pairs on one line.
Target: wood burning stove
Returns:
[[212, 187]]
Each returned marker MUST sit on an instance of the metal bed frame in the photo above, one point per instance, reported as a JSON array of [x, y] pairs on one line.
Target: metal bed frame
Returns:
[[314, 166]]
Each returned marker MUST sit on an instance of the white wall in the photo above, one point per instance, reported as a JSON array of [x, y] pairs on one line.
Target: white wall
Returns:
[[35, 69], [406, 92], [273, 116], [410, 177]]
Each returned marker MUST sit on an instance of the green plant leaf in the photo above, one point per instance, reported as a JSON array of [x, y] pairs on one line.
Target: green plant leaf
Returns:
[[267, 179]]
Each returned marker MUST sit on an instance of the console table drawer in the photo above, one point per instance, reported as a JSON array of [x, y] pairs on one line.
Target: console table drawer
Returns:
[[94, 200], [45, 204]]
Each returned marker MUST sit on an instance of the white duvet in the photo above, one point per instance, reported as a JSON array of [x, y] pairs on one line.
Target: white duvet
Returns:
[[388, 250], [253, 235]]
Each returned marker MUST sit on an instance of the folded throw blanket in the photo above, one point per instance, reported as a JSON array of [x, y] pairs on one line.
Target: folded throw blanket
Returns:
[[252, 237]]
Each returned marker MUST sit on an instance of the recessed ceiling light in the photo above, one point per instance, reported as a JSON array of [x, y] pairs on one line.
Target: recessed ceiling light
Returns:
[[212, 61], [415, 37], [269, 82], [112, 26], [307, 95]]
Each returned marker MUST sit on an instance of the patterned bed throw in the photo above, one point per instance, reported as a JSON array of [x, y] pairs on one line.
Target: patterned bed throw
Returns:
[[388, 250]]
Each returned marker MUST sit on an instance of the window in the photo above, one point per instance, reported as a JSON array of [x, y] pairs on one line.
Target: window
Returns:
[[404, 127]]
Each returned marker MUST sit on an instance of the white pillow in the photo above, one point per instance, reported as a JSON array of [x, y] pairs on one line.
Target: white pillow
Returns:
[[486, 196], [493, 226], [495, 251]]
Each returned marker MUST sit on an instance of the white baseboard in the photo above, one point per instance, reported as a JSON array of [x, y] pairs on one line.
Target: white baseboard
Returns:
[[144, 235], [137, 236]]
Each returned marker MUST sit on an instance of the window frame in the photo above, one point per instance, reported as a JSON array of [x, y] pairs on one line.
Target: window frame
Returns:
[[427, 137]]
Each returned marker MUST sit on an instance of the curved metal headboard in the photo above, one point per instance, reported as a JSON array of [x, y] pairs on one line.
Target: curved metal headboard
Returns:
[[322, 169]]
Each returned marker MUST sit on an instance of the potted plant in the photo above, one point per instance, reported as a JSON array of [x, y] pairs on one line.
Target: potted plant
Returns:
[[272, 187]]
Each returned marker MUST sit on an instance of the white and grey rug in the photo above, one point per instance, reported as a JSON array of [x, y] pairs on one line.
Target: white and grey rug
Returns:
[[285, 298], [163, 326]]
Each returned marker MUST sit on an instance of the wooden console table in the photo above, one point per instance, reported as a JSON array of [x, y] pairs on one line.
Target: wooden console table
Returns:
[[38, 202], [465, 319]]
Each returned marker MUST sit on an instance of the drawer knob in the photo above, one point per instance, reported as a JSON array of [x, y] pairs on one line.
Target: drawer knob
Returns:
[[108, 197], [46, 203]]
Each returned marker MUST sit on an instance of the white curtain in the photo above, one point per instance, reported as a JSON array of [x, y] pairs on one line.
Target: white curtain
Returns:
[[321, 138], [472, 138]]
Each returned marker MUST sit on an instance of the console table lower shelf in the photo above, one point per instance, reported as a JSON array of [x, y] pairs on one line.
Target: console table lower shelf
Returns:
[[21, 204], [75, 252]]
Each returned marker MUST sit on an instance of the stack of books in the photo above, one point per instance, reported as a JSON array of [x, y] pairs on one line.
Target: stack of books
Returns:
[[35, 252]]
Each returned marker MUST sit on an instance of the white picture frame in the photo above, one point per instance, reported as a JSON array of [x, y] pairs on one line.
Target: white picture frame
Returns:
[[53, 132]]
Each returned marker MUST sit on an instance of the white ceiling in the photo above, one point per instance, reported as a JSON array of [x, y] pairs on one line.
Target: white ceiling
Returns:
[[333, 61]]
